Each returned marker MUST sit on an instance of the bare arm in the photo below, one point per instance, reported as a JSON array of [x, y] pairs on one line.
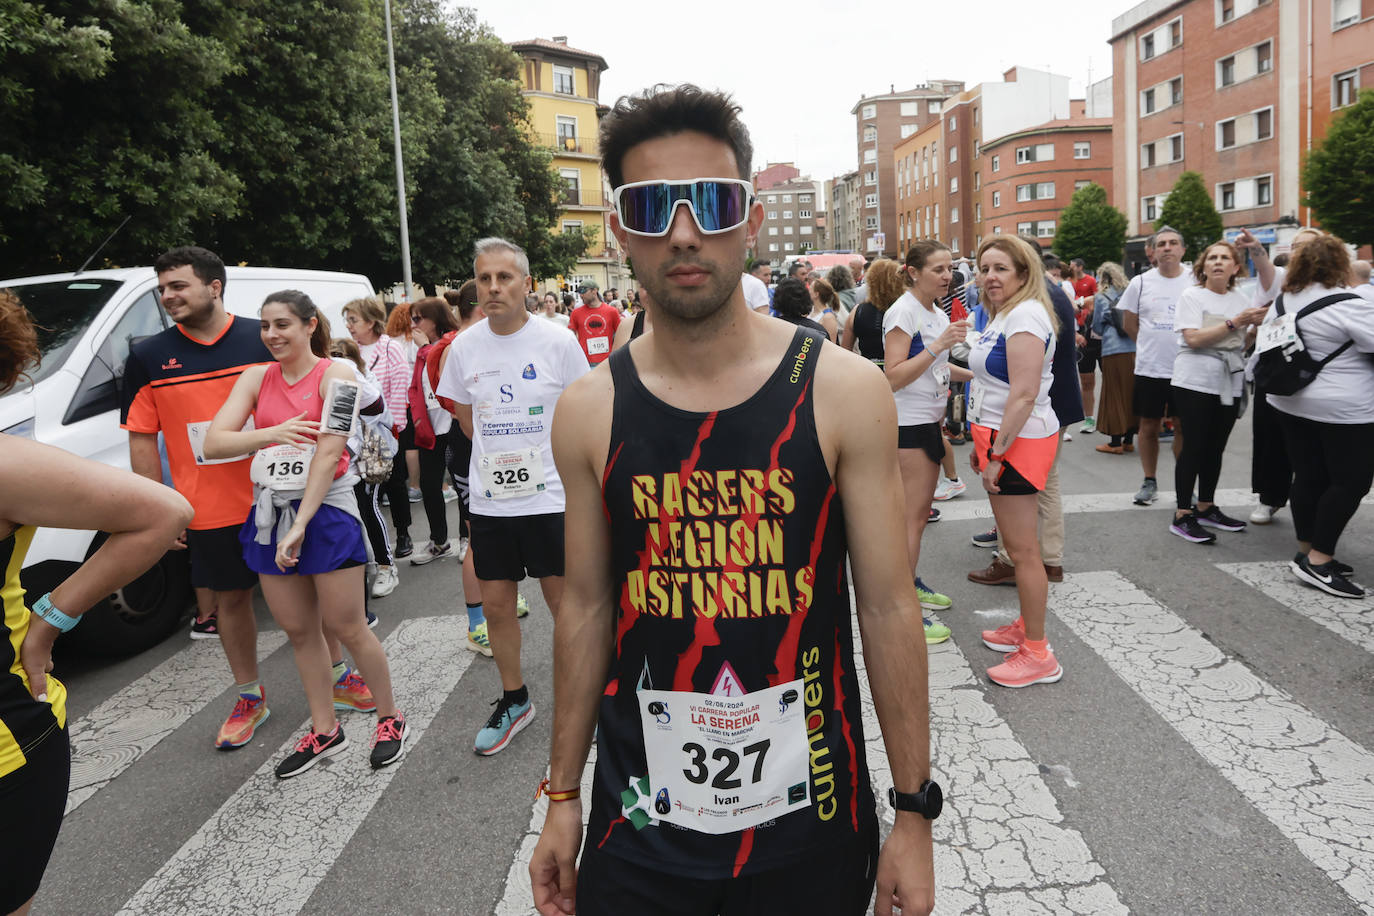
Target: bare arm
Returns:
[[848, 339], [901, 370], [141, 517], [866, 471], [1130, 321], [328, 449], [832, 327], [622, 333], [144, 459], [584, 631]]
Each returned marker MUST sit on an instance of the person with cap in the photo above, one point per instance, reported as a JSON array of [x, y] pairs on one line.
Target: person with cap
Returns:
[[595, 323]]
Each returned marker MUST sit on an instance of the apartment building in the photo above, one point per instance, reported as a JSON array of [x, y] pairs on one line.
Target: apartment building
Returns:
[[880, 123], [561, 85], [920, 192], [1237, 90], [792, 219], [845, 196], [774, 174]]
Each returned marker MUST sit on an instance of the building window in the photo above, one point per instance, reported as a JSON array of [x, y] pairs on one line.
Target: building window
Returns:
[[1147, 156], [1228, 10], [773, 247], [772, 214], [1043, 190], [976, 147], [1149, 209], [1228, 196], [954, 185], [1147, 46], [1264, 124], [871, 200], [1176, 91], [909, 110], [787, 199], [572, 179], [1264, 192], [803, 214], [772, 230], [977, 180], [1226, 71], [1041, 152], [772, 198], [869, 111], [786, 230], [805, 230], [1045, 228], [1147, 103], [1264, 57], [907, 130], [1025, 228], [870, 222], [933, 106], [1226, 134], [953, 122], [996, 163], [1083, 150], [996, 199], [1081, 184], [570, 225], [804, 198], [1175, 33], [563, 80], [786, 214], [788, 246], [870, 156], [954, 154], [870, 133], [1176, 148], [954, 214], [1345, 87], [977, 212], [1344, 12], [567, 132], [871, 176]]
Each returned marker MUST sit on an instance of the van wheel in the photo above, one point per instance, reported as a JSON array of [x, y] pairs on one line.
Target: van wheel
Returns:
[[141, 614]]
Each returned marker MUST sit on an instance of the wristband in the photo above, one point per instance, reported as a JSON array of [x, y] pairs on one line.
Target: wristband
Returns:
[[554, 795], [999, 457], [44, 608], [1230, 325]]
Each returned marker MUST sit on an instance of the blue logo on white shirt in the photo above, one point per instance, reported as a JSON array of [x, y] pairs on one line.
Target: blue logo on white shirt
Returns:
[[529, 372]]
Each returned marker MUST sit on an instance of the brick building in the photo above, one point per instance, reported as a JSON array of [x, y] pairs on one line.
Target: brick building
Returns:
[[1237, 90], [792, 211], [880, 123], [844, 194], [774, 174]]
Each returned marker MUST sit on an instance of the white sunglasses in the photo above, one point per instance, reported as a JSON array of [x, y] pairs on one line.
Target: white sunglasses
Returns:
[[717, 204]]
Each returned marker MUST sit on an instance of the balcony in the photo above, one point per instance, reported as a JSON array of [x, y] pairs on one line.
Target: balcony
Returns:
[[579, 145], [585, 197]]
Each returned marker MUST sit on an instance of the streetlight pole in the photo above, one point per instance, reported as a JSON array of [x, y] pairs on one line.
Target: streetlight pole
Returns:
[[400, 167]]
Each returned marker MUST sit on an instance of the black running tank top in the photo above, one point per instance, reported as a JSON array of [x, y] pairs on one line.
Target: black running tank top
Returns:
[[728, 547], [868, 331]]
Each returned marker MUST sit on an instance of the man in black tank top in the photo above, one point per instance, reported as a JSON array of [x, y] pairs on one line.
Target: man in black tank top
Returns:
[[711, 470]]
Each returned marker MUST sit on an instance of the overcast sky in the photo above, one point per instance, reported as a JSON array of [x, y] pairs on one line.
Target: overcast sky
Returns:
[[797, 68]]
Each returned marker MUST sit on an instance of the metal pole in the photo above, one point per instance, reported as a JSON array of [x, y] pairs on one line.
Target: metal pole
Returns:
[[400, 167]]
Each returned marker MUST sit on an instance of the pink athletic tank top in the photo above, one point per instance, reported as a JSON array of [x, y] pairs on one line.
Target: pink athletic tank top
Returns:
[[278, 401]]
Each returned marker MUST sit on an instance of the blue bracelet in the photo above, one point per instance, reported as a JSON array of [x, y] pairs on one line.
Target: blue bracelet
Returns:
[[44, 608]]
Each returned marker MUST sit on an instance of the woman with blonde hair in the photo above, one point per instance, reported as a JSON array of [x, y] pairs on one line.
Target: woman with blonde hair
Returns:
[[1115, 417], [1015, 436], [863, 332]]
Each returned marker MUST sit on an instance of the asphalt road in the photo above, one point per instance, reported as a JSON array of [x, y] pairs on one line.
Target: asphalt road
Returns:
[[1209, 749]]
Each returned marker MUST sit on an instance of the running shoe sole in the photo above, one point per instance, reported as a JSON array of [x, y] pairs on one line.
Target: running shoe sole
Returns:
[[999, 647], [515, 728], [1220, 526], [420, 559], [990, 542], [477, 647], [230, 746], [323, 755], [1047, 679], [935, 605]]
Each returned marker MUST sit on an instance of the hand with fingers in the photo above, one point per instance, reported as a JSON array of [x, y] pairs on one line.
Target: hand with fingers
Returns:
[[296, 431]]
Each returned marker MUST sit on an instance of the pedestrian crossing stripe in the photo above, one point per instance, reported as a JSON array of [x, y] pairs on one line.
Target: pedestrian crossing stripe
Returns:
[[272, 842], [1349, 619], [1312, 782]]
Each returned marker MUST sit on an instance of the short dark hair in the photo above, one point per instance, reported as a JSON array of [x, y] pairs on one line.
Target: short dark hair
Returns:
[[791, 299], [661, 111], [204, 263]]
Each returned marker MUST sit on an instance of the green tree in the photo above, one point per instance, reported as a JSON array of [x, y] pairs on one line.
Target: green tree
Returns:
[[1338, 175], [1190, 210], [104, 114], [1090, 228]]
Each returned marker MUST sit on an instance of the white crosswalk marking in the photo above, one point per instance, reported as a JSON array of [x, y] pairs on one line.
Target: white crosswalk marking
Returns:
[[266, 849], [1312, 782], [131, 723], [1350, 619], [975, 505]]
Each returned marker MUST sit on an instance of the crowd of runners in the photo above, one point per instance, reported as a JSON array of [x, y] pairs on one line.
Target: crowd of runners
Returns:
[[725, 476]]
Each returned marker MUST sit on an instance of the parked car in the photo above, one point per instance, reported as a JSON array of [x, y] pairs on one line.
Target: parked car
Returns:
[[87, 322]]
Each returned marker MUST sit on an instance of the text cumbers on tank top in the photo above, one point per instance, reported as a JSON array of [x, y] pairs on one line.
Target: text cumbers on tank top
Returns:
[[730, 735]]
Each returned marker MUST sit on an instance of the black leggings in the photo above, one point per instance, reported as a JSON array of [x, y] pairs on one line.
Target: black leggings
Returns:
[[1332, 472], [1271, 476], [366, 494], [32, 799], [1206, 425], [397, 487], [432, 468]]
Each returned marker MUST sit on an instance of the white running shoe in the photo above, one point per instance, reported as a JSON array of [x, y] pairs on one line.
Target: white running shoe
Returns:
[[1068, 436], [948, 489], [385, 583], [431, 553], [1262, 515], [462, 552]]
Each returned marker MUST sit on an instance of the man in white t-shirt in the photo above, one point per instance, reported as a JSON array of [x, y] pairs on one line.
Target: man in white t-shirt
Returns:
[[1361, 282], [755, 293], [1148, 306], [505, 375]]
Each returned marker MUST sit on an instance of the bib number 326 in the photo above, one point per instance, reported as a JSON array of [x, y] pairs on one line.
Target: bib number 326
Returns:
[[506, 475], [718, 764]]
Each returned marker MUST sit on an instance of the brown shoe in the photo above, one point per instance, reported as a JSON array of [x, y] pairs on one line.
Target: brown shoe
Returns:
[[1055, 573], [1111, 449], [1128, 447], [997, 573]]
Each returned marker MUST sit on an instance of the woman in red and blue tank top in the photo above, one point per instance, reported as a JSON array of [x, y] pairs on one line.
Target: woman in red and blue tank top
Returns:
[[303, 536]]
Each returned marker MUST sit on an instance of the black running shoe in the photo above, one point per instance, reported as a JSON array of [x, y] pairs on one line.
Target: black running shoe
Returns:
[[1215, 518], [1325, 577], [310, 750], [1188, 528], [404, 546], [389, 741]]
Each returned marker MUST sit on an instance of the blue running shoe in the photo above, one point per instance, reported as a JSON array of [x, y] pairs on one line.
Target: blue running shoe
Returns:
[[505, 723]]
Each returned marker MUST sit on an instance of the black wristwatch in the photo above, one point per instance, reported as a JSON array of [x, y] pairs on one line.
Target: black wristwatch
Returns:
[[928, 802]]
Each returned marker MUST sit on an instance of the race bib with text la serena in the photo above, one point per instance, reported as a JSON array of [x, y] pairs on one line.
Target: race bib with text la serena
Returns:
[[719, 764], [506, 475]]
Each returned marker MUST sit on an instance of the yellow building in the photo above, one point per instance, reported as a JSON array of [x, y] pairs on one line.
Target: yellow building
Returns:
[[561, 85]]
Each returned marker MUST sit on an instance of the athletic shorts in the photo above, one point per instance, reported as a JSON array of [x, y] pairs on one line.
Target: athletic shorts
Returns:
[[1090, 356], [32, 799], [333, 540], [1150, 399], [838, 882], [926, 437], [510, 548], [217, 560], [1025, 466]]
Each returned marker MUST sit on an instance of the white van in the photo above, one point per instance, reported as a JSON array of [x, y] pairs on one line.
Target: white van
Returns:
[[87, 322]]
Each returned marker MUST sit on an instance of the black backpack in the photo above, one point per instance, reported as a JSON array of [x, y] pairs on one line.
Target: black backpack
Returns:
[[1285, 371]]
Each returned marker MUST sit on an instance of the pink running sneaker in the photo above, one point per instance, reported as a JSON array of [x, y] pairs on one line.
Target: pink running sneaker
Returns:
[[1022, 669], [249, 712], [350, 692], [1005, 638]]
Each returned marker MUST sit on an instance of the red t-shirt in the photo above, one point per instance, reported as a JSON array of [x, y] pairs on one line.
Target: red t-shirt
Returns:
[[595, 327]]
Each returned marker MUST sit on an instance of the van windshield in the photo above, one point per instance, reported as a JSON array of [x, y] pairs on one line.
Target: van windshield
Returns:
[[61, 312]]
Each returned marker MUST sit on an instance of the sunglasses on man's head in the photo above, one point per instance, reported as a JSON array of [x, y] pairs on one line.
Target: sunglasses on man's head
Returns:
[[717, 204]]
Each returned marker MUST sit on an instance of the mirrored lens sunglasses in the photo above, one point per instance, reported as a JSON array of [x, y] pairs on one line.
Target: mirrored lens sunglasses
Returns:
[[717, 204]]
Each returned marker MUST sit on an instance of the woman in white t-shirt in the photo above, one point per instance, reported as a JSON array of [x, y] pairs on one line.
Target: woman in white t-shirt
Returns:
[[1015, 436], [917, 335], [1215, 321], [1328, 425]]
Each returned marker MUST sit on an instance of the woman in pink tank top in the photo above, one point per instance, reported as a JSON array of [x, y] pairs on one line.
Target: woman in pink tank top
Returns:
[[303, 536]]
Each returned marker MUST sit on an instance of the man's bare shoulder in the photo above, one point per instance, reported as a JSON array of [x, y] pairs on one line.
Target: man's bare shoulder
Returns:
[[842, 375]]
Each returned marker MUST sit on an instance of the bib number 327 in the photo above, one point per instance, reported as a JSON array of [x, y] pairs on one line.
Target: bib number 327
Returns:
[[718, 764]]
